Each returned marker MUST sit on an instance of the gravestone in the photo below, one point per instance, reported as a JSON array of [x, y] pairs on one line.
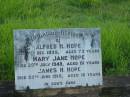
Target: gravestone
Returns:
[[57, 58]]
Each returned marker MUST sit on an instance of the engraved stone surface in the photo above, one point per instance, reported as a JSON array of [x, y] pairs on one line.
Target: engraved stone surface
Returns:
[[57, 58]]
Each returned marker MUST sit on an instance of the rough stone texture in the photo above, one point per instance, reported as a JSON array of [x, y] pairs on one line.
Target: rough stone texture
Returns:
[[113, 87]]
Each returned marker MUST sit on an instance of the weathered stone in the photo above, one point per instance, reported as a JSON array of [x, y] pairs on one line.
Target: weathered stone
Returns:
[[57, 58]]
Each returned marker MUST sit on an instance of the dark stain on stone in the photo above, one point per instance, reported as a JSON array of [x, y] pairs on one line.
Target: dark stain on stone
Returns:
[[93, 40], [26, 48], [27, 89]]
